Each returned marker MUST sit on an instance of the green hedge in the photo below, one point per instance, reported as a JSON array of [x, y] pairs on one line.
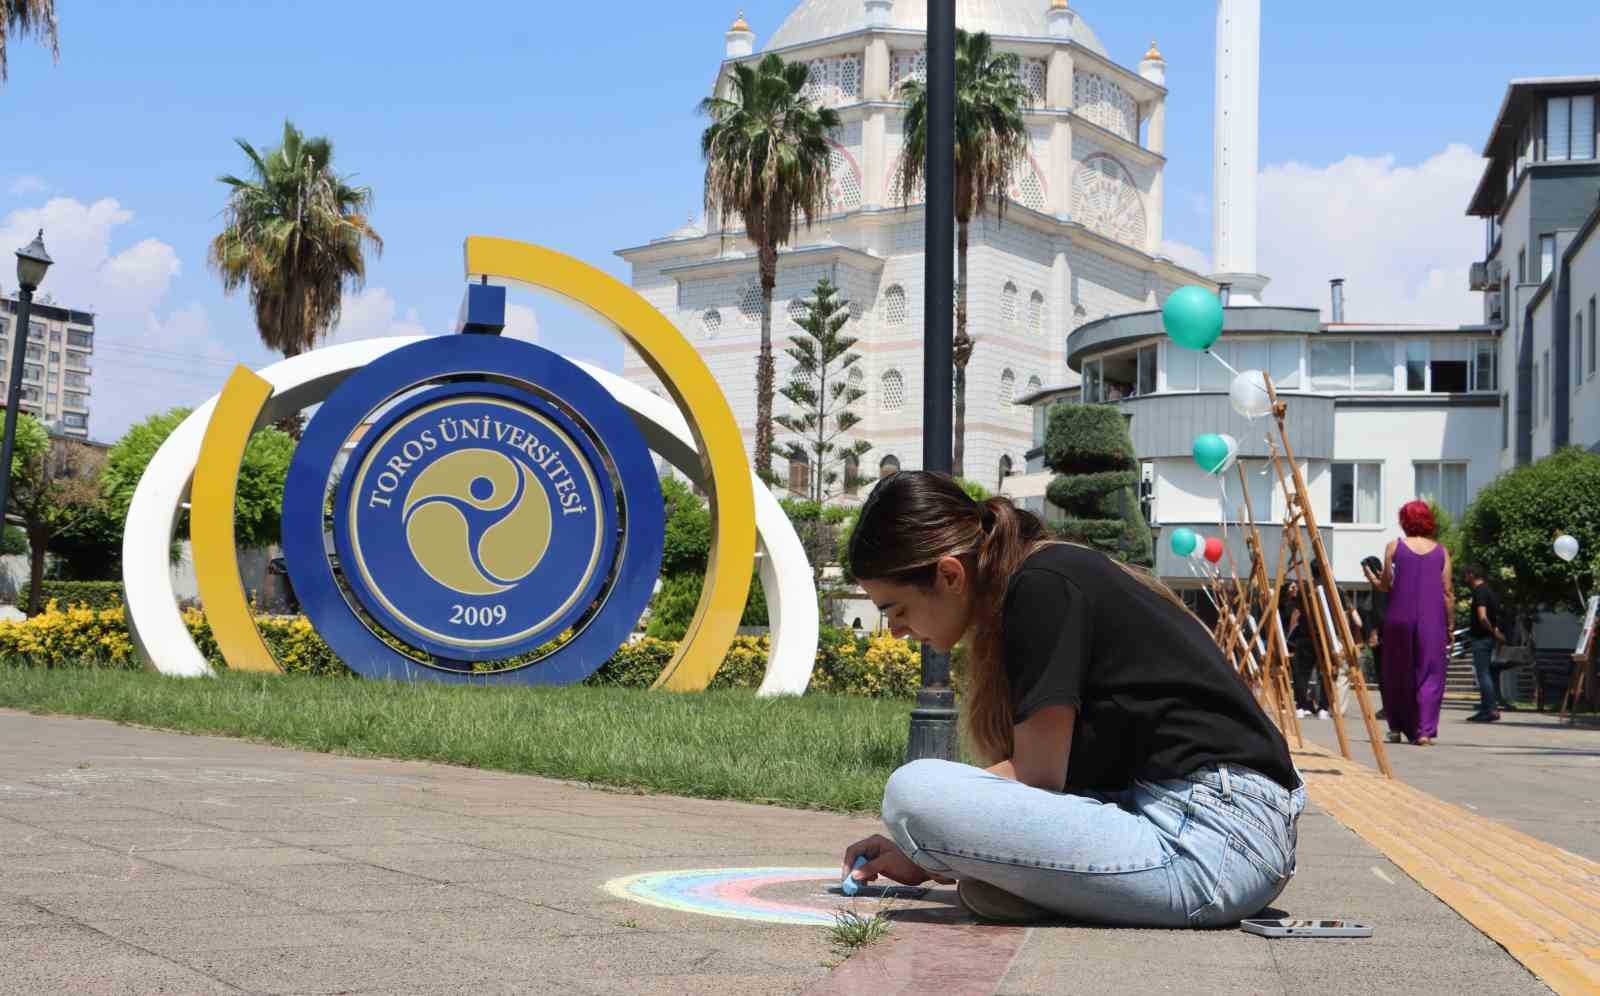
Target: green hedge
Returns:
[[91, 594]]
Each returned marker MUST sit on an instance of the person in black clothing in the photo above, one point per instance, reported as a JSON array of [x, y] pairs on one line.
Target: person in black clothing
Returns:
[[1372, 621], [1308, 692], [1114, 735], [1486, 634]]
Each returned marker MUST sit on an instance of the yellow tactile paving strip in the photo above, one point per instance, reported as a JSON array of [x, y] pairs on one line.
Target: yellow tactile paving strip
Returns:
[[1539, 902]]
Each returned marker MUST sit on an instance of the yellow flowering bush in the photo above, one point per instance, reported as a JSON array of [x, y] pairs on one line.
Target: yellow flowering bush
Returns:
[[745, 663], [887, 667], [85, 637], [69, 638]]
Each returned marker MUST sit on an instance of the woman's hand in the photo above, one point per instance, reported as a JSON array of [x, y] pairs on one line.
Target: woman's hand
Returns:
[[886, 859]]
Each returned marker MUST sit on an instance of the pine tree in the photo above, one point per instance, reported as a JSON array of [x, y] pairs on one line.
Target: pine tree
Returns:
[[1089, 448], [822, 395]]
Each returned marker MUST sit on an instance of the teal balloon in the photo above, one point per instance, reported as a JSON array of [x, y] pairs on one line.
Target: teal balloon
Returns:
[[1193, 317], [1211, 452], [1184, 541]]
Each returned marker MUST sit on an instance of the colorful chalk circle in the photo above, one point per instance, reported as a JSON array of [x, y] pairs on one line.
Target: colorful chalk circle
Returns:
[[1184, 541], [1193, 317], [768, 895]]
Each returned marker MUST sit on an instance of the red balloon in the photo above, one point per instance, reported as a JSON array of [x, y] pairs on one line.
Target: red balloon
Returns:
[[1213, 549]]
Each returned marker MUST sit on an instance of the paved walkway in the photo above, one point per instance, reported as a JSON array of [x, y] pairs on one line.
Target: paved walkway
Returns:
[[134, 861], [1530, 771]]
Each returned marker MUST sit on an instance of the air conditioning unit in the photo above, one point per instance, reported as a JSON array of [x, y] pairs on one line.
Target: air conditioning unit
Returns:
[[1478, 277], [1496, 272]]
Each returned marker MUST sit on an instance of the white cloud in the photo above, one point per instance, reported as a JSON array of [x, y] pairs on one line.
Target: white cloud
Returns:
[[147, 357], [372, 313], [1399, 236], [521, 323], [22, 186], [1186, 255]]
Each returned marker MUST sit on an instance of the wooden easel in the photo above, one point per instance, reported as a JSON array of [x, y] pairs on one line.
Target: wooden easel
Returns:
[[1301, 514], [1276, 679]]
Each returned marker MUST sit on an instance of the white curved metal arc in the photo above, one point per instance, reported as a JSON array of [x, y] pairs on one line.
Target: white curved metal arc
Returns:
[[163, 641], [159, 634], [785, 570]]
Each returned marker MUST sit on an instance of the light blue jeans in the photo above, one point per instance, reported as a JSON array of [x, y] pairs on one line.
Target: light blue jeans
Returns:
[[1199, 851]]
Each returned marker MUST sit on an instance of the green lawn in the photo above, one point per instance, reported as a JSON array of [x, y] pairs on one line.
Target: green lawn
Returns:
[[814, 752]]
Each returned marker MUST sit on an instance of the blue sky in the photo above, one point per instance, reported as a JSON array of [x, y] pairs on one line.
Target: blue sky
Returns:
[[573, 126]]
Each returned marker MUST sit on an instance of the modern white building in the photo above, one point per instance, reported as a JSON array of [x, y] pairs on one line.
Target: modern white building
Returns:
[[1080, 240], [1377, 415], [56, 370], [1540, 201]]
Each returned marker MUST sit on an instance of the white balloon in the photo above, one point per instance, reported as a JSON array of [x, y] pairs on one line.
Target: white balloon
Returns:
[[1248, 394], [1566, 547], [1233, 454], [1199, 551]]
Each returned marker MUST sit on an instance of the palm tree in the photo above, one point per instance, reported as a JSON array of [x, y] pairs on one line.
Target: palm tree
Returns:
[[766, 153], [295, 233], [991, 143], [27, 17]]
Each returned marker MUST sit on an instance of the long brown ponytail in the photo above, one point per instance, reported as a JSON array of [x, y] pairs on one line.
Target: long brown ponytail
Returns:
[[911, 521]]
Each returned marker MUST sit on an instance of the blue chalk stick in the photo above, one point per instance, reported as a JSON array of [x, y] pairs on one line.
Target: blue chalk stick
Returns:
[[850, 886]]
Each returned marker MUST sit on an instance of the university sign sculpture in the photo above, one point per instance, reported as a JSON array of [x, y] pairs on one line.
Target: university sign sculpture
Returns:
[[468, 508]]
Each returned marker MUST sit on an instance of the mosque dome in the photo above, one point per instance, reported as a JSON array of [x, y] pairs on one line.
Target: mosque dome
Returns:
[[817, 19]]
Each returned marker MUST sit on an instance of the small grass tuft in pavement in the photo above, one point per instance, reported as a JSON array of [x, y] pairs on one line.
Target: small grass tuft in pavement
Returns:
[[852, 930], [810, 752]]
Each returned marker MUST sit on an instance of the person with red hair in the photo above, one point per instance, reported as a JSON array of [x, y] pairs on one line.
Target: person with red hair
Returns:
[[1416, 630]]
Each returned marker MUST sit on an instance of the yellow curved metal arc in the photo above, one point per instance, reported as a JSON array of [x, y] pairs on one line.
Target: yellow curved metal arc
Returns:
[[216, 558], [680, 368]]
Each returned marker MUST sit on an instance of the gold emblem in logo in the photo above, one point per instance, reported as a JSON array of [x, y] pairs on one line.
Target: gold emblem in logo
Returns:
[[477, 521]]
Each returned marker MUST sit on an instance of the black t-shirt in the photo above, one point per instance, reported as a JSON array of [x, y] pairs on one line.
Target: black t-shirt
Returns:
[[1372, 621], [1483, 596], [1156, 698]]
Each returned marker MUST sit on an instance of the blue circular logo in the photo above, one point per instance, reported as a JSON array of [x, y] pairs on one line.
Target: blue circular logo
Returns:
[[459, 509], [492, 497]]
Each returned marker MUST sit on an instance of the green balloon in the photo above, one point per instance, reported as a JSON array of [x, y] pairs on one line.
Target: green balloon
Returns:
[[1210, 450], [1193, 317], [1184, 541]]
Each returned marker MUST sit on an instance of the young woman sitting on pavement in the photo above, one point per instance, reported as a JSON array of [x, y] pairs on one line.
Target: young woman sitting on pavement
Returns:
[[1129, 775]]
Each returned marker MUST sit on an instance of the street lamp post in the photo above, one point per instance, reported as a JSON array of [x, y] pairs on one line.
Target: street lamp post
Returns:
[[933, 720], [32, 262]]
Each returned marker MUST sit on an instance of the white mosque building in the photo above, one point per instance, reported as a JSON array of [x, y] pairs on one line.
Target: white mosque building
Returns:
[[1081, 237]]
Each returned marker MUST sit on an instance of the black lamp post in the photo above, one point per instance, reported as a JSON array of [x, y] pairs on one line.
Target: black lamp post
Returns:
[[933, 720], [32, 262]]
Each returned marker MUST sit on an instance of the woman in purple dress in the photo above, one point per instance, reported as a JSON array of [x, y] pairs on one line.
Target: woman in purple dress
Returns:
[[1416, 630]]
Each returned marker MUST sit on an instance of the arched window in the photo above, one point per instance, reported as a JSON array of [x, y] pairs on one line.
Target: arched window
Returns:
[[844, 179], [888, 465], [1008, 303], [797, 310], [711, 321], [1008, 387], [1005, 471], [852, 474], [799, 472], [894, 391], [858, 381], [1034, 383], [894, 305], [1036, 313], [750, 302]]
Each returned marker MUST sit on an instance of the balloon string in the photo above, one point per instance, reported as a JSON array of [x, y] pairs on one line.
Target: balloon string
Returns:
[[1222, 361]]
